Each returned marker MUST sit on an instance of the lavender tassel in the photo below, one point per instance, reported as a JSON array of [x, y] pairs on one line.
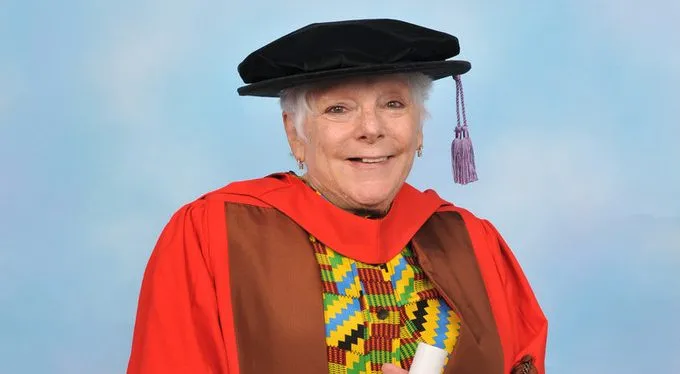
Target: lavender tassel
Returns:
[[462, 153]]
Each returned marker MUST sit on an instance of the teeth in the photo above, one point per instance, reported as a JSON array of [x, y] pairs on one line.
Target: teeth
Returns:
[[373, 160]]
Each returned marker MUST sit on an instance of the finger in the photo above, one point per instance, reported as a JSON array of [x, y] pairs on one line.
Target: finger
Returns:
[[391, 369]]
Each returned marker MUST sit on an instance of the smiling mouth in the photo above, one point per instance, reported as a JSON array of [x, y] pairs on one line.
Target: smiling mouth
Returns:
[[370, 160]]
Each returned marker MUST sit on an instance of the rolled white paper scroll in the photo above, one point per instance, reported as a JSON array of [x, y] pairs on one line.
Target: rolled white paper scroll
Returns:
[[428, 360]]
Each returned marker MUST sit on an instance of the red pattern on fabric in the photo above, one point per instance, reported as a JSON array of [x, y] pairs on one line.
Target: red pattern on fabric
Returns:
[[337, 356], [385, 329]]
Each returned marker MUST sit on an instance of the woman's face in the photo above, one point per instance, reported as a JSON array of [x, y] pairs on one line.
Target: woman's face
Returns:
[[361, 138]]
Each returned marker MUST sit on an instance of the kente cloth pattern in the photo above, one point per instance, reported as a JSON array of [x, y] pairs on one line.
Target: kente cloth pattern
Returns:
[[377, 314]]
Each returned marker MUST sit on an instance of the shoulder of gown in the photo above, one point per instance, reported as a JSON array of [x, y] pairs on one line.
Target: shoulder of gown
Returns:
[[521, 322]]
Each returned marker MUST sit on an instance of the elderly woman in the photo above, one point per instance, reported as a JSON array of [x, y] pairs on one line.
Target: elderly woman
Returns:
[[345, 268]]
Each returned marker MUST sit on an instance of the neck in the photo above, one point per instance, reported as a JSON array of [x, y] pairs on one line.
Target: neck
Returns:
[[342, 201]]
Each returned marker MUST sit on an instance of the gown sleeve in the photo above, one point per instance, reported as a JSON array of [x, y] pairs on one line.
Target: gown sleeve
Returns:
[[177, 327], [524, 324]]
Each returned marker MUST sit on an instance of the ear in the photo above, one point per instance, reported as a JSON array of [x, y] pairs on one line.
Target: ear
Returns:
[[296, 144], [419, 137]]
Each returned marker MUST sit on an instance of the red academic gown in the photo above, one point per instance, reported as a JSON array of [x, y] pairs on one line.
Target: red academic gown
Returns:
[[232, 286]]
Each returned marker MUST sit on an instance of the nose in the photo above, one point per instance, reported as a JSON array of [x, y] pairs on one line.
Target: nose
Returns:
[[371, 126]]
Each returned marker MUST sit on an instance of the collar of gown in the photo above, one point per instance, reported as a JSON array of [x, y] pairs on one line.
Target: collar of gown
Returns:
[[369, 240]]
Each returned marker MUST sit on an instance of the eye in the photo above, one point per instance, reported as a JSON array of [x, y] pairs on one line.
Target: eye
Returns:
[[336, 109], [395, 104]]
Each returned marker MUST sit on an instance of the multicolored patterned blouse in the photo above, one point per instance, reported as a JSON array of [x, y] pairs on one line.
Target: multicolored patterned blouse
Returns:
[[377, 314]]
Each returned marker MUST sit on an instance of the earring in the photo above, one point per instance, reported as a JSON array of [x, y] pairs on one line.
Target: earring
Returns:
[[301, 164], [419, 151]]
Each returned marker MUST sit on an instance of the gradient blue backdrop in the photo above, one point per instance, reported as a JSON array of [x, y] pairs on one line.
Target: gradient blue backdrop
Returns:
[[115, 113]]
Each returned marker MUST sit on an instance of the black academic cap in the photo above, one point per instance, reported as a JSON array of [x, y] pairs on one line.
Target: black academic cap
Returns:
[[333, 50]]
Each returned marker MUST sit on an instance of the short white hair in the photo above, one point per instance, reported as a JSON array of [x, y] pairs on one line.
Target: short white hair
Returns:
[[295, 101]]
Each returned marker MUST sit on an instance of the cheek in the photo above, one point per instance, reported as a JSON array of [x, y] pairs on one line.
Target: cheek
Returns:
[[329, 142], [320, 152], [409, 135]]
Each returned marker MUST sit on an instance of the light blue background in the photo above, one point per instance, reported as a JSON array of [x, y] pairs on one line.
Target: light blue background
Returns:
[[115, 113]]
